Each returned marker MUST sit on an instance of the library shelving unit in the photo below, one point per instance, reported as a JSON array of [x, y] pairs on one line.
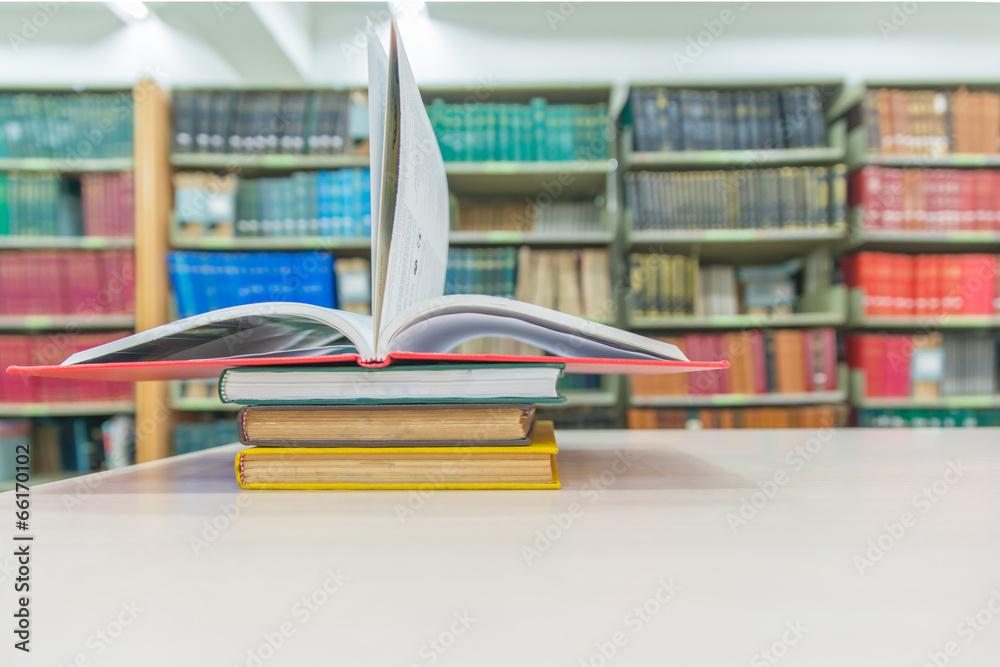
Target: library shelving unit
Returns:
[[858, 106], [129, 105], [825, 305], [535, 183], [194, 401]]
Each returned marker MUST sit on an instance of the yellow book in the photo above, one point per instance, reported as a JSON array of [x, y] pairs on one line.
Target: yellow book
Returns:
[[525, 467]]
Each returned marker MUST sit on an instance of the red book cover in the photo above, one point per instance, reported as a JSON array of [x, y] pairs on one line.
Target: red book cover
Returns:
[[893, 198], [932, 200], [996, 200], [953, 219], [873, 358], [697, 384], [896, 381], [724, 383], [865, 191], [951, 284], [829, 342], [967, 197], [126, 227], [984, 199], [808, 366]]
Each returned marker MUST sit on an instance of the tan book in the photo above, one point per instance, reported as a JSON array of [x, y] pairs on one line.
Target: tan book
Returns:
[[478, 467], [385, 425]]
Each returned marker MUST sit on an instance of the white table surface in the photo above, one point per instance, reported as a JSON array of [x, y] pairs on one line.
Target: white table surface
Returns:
[[128, 541]]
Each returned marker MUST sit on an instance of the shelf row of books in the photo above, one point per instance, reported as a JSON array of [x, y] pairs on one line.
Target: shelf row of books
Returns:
[[576, 282], [924, 285], [66, 127], [926, 365], [305, 203], [195, 436], [321, 122], [47, 204], [932, 122], [927, 199], [820, 416], [927, 418], [665, 285], [70, 282], [204, 281], [60, 447], [762, 362], [39, 350], [785, 198], [539, 130], [529, 217], [678, 119]]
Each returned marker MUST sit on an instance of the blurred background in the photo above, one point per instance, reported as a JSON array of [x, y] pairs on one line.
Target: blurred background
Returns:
[[810, 190]]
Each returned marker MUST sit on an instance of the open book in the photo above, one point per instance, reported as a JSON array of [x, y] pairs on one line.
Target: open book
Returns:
[[412, 318]]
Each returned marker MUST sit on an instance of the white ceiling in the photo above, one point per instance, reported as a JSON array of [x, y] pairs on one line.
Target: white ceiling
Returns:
[[288, 43]]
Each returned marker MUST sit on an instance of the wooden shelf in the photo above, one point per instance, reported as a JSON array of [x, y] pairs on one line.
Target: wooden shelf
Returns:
[[531, 178], [66, 322], [530, 238], [829, 319], [945, 402], [65, 242], [75, 409], [241, 161], [954, 160], [738, 400], [743, 158], [66, 165], [268, 243], [751, 244], [927, 322]]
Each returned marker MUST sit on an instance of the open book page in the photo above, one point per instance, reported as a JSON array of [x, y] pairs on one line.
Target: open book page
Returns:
[[257, 330], [441, 324], [383, 115], [418, 251]]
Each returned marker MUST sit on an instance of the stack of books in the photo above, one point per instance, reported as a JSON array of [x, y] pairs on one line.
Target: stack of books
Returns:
[[442, 426]]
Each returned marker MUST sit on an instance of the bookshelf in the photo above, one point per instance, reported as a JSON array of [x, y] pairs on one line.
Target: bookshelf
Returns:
[[99, 170], [864, 109], [712, 241]]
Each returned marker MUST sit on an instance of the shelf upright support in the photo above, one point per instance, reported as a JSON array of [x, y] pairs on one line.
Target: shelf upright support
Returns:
[[152, 210]]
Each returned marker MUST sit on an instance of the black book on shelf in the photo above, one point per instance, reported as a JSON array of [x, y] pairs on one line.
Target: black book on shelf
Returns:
[[202, 121], [292, 125], [222, 104], [183, 121]]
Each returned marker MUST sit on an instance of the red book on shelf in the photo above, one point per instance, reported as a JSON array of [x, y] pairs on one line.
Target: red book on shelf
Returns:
[[978, 283], [866, 192], [984, 199], [757, 359], [921, 285], [896, 378], [967, 197], [723, 380], [951, 284], [829, 342], [865, 353], [995, 205]]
